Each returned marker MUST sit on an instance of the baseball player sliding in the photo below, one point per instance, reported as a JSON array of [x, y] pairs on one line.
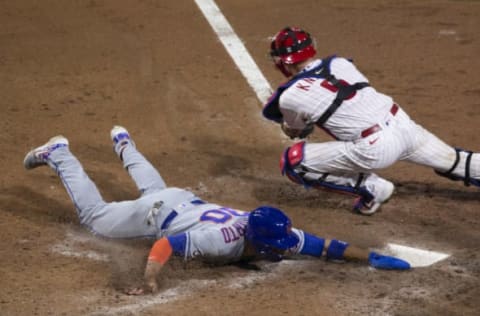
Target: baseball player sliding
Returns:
[[371, 131], [182, 223]]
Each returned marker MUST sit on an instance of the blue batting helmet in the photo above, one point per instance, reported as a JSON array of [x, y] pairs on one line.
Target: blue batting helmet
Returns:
[[270, 229]]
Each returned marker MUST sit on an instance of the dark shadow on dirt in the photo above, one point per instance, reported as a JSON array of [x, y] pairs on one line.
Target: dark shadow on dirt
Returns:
[[290, 194], [24, 202], [456, 192], [112, 189]]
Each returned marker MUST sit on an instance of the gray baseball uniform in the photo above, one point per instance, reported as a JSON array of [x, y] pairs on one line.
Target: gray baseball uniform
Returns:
[[210, 230]]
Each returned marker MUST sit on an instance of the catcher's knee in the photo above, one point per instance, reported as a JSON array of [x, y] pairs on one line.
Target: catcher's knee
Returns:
[[290, 162], [467, 179]]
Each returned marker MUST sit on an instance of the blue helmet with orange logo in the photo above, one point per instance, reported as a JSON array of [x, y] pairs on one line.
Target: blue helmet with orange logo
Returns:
[[269, 230]]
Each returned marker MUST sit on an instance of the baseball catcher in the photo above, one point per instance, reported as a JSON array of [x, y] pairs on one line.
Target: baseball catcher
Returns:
[[181, 222], [370, 129]]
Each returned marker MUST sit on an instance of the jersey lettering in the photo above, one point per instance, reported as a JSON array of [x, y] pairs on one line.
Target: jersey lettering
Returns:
[[301, 84], [303, 87], [234, 232], [216, 216], [327, 85], [220, 216]]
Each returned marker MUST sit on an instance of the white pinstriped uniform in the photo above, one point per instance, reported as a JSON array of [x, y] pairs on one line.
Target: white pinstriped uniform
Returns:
[[400, 138]]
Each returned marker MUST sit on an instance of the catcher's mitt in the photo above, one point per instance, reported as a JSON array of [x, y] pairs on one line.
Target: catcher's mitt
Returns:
[[298, 133]]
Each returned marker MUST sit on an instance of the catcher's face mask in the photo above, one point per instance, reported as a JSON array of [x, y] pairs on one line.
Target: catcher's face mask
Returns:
[[290, 46]]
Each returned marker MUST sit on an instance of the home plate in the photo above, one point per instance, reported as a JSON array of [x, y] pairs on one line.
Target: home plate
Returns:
[[416, 257]]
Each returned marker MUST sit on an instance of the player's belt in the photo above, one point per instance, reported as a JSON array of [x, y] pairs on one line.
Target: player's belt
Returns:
[[375, 128], [170, 217]]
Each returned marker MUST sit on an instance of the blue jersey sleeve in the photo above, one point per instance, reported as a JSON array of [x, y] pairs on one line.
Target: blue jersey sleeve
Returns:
[[312, 245]]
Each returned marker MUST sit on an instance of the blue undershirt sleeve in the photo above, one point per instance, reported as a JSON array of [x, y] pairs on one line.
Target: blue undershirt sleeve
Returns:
[[178, 243]]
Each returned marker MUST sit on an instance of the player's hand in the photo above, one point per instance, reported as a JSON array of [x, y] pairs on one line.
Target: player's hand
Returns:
[[135, 291], [148, 288], [150, 285]]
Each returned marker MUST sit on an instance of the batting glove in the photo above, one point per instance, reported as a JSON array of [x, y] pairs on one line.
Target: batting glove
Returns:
[[386, 262]]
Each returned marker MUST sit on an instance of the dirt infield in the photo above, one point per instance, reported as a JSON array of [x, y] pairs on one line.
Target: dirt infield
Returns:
[[78, 67]]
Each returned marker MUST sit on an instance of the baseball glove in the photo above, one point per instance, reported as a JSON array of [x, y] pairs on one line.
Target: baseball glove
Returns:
[[297, 133]]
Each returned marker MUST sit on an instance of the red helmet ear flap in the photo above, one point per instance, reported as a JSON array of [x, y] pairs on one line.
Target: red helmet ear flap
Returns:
[[275, 55]]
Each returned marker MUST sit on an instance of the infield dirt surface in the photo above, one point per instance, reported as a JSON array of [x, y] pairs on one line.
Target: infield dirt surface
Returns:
[[156, 67]]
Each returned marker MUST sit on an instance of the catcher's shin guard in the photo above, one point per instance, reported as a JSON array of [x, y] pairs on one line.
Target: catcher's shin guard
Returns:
[[291, 166], [467, 179]]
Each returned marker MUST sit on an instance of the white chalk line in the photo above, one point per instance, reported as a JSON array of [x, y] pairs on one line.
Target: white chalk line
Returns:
[[68, 251], [73, 240], [67, 248], [145, 301], [72, 246], [236, 49], [184, 289]]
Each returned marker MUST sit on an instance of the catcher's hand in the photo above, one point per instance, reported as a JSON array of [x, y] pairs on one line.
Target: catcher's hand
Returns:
[[297, 133]]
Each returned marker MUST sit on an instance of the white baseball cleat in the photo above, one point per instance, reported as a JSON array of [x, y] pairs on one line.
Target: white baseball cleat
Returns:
[[120, 138], [119, 133], [38, 157], [380, 198]]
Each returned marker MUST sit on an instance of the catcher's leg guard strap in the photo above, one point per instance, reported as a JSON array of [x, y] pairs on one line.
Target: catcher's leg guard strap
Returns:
[[291, 166], [467, 180], [359, 190]]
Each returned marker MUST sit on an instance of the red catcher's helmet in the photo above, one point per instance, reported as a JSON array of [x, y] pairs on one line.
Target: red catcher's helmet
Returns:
[[292, 45]]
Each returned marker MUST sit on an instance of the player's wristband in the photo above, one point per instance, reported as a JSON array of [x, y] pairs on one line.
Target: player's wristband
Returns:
[[161, 251], [312, 246], [336, 249]]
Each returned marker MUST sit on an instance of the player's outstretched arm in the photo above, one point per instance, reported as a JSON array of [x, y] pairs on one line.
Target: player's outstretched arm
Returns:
[[339, 250], [159, 255]]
